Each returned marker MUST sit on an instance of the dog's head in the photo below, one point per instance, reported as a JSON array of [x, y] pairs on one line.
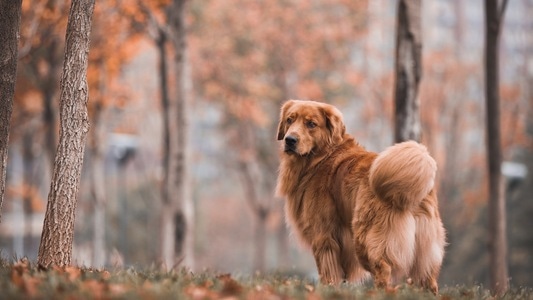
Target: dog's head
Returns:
[[308, 127]]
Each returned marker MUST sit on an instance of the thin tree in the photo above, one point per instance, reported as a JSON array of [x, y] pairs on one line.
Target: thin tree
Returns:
[[176, 212], [97, 182], [174, 220], [178, 154], [408, 71], [246, 142], [10, 12], [494, 13], [58, 228]]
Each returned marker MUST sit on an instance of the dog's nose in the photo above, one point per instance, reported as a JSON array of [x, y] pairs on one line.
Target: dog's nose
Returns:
[[290, 140]]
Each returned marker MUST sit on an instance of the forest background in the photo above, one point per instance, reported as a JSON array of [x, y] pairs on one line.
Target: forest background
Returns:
[[244, 58]]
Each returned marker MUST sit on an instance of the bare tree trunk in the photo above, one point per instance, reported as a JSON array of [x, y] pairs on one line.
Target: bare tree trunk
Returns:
[[259, 211], [497, 214], [408, 71], [178, 160], [188, 206], [282, 82], [10, 11], [172, 241], [167, 237], [58, 228], [28, 185], [261, 240], [97, 186], [163, 87], [283, 246]]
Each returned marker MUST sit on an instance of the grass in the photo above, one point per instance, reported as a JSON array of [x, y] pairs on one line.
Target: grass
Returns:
[[24, 280]]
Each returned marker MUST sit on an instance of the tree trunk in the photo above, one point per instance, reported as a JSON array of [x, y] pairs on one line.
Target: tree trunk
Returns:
[[260, 240], [167, 237], [497, 218], [28, 187], [408, 71], [58, 228], [10, 11], [179, 131], [259, 211], [283, 246], [97, 186], [283, 83], [172, 241], [163, 86]]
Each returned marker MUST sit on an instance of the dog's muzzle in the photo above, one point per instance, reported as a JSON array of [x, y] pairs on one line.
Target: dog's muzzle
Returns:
[[290, 143]]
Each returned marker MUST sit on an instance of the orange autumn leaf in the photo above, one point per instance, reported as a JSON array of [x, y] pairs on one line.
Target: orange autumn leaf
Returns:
[[73, 273]]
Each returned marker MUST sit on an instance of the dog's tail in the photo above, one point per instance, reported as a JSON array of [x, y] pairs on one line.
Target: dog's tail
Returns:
[[403, 174]]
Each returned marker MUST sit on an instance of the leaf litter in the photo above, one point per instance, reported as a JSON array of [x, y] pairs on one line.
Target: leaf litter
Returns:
[[24, 280]]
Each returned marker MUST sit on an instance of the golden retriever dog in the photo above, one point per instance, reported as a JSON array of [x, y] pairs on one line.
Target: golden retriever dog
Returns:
[[359, 212]]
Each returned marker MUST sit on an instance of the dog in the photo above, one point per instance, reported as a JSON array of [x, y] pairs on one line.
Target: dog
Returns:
[[359, 212]]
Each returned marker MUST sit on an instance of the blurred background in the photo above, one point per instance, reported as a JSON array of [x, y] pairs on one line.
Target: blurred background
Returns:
[[244, 58]]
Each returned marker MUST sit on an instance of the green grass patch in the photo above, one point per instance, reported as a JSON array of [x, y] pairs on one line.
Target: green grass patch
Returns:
[[24, 280]]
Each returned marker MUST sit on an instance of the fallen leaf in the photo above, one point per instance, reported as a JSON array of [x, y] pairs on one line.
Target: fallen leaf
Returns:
[[73, 273], [230, 286]]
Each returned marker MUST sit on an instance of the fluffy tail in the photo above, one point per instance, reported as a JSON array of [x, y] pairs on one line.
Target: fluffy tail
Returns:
[[403, 174]]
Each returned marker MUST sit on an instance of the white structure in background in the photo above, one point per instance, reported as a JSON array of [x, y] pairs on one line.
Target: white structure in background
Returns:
[[513, 170]]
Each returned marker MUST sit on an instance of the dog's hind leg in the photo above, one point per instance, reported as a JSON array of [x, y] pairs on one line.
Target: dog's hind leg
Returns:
[[426, 268], [430, 242], [328, 263], [430, 284]]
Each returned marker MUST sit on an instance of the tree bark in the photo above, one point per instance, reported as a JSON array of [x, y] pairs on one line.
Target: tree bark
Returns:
[[10, 11], [497, 214], [58, 228], [408, 71]]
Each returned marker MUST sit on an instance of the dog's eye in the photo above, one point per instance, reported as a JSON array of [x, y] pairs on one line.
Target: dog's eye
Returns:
[[311, 124], [289, 121]]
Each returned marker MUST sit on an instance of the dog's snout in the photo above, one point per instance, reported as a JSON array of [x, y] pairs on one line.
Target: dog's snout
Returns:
[[290, 140]]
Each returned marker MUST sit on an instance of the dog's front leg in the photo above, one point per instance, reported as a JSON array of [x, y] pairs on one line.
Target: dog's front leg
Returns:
[[328, 263]]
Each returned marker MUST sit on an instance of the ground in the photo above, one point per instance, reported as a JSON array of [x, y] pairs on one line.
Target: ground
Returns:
[[25, 280]]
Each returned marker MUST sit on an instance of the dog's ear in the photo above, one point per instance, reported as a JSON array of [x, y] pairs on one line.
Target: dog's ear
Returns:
[[281, 125], [334, 123]]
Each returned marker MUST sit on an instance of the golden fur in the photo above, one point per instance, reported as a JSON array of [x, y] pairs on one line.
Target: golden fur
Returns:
[[358, 211]]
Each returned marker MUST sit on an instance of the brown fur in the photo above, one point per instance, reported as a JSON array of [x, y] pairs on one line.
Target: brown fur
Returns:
[[357, 210]]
